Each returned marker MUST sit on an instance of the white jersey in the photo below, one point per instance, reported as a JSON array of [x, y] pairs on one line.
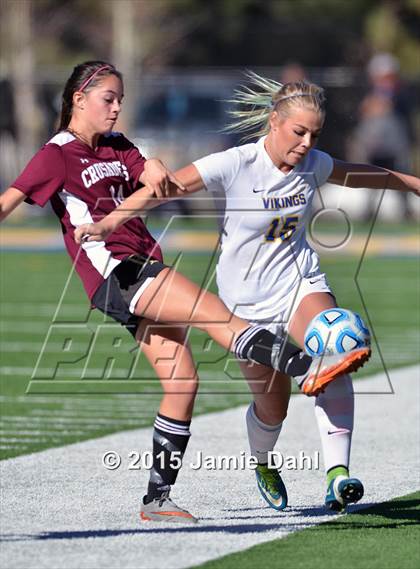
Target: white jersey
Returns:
[[264, 251]]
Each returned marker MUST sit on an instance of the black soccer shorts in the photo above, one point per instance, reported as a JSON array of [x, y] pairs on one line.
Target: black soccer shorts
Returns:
[[118, 294]]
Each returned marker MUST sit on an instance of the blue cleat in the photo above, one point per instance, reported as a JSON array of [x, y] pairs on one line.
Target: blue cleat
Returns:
[[271, 487], [342, 491]]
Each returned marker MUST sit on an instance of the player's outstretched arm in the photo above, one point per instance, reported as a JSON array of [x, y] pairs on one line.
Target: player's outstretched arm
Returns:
[[9, 200], [161, 180], [166, 184], [187, 180], [139, 201], [373, 177]]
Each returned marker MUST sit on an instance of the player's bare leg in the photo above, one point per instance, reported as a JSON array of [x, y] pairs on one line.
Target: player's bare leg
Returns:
[[169, 353], [171, 297], [270, 390], [170, 356]]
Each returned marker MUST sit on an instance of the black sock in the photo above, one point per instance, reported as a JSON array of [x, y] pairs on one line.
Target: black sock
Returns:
[[259, 345], [170, 439]]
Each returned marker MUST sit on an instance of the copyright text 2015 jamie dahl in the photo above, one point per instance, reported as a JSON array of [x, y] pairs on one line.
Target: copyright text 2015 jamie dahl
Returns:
[[136, 460]]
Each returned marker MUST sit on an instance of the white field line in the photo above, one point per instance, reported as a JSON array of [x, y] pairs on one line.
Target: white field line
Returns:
[[62, 508], [43, 309], [70, 401], [55, 430], [67, 420], [53, 347], [13, 447], [75, 407], [40, 440], [5, 433], [72, 372], [71, 413], [31, 328], [15, 424], [83, 412], [120, 374]]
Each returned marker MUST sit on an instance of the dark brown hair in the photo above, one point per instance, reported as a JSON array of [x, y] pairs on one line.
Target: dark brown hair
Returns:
[[85, 76]]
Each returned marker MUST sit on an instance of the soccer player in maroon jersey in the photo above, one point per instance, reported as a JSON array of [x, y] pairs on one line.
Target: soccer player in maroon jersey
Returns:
[[86, 170]]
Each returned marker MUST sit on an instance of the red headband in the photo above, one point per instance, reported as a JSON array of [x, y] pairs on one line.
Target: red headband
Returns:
[[89, 79]]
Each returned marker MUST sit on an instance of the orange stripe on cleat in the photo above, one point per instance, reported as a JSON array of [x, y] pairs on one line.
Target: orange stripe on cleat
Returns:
[[353, 362], [144, 517], [179, 514]]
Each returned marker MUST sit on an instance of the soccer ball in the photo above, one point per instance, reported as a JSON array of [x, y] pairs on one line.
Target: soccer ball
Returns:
[[335, 331]]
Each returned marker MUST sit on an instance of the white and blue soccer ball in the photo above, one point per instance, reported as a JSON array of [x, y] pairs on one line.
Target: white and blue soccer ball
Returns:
[[335, 331]]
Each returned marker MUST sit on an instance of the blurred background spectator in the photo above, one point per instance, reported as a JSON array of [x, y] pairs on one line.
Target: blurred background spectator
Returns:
[[292, 72], [8, 132], [384, 135]]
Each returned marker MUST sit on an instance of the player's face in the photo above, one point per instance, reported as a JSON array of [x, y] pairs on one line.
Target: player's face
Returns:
[[290, 138], [102, 105]]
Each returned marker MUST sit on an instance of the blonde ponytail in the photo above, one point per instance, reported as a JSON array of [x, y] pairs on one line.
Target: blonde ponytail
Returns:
[[263, 96]]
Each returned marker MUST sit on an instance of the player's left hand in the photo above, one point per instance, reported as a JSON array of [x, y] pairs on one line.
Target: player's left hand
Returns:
[[90, 232], [157, 177]]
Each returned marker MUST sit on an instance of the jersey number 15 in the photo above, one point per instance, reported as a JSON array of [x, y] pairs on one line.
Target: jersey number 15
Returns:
[[281, 228]]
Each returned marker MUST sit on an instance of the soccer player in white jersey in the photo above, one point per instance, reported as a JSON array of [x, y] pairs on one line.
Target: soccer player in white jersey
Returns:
[[267, 272], [85, 171]]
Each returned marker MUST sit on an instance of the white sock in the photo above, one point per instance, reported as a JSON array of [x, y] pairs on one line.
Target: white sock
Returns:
[[334, 411], [261, 437]]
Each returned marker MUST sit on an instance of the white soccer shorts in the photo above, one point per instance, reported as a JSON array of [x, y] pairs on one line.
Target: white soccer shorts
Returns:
[[316, 282]]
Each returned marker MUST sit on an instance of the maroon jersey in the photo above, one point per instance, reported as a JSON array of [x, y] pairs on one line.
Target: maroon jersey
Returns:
[[83, 185]]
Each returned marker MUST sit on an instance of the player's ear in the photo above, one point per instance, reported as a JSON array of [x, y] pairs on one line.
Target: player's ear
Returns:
[[274, 120], [78, 99]]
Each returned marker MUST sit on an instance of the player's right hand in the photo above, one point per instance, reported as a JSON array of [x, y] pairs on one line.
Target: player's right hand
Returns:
[[159, 179], [90, 232]]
